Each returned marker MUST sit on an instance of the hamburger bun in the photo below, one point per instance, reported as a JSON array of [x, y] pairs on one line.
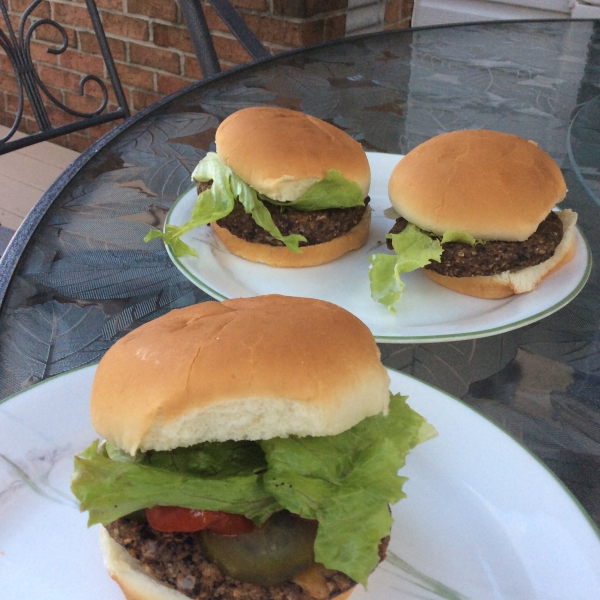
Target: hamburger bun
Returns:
[[136, 584], [492, 185], [222, 371], [514, 282], [311, 256], [282, 153]]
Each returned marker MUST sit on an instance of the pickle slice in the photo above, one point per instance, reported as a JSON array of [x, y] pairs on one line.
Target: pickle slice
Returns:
[[280, 549]]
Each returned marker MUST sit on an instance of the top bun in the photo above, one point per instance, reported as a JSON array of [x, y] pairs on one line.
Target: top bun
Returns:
[[494, 186], [282, 153], [247, 368]]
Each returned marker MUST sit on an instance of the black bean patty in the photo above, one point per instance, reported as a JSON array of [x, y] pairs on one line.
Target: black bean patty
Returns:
[[491, 258], [317, 226], [177, 560]]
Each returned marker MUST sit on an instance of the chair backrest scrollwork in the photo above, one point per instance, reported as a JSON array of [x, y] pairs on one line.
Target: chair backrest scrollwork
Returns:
[[17, 46]]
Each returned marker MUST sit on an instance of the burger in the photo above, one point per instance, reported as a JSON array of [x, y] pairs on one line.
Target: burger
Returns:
[[474, 208], [250, 450], [283, 188]]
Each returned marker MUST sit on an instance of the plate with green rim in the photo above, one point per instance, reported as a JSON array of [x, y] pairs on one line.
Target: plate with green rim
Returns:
[[426, 312], [483, 518]]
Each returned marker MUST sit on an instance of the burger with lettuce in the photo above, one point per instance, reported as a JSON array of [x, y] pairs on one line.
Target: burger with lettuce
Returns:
[[251, 451], [283, 188], [474, 209]]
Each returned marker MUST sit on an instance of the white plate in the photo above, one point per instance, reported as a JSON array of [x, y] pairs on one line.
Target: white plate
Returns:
[[483, 518], [426, 313]]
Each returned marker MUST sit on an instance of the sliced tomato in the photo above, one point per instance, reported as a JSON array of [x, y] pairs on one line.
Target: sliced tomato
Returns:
[[175, 518]]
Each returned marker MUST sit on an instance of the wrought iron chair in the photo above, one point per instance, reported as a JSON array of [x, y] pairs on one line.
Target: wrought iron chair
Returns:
[[201, 38], [16, 45]]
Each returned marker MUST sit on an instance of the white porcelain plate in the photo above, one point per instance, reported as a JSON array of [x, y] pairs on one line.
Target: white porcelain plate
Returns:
[[483, 519], [427, 312]]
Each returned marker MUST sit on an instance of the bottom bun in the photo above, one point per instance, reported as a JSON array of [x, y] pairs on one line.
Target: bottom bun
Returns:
[[136, 584], [311, 256], [510, 283]]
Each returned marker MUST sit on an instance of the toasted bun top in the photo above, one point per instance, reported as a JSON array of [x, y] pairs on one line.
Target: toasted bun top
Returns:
[[495, 186], [247, 368], [282, 153]]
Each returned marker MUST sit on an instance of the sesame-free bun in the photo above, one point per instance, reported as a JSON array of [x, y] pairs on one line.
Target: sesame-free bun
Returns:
[[311, 256], [136, 584], [494, 186], [246, 368], [515, 282], [282, 153]]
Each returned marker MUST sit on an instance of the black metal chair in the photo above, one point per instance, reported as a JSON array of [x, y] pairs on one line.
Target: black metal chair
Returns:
[[17, 48], [201, 38]]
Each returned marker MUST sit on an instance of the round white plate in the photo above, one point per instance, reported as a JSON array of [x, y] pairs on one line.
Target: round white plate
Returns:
[[426, 312], [483, 519]]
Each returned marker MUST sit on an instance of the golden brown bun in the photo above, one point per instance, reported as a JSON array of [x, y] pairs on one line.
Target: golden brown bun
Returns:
[[247, 368], [515, 282], [138, 585], [494, 186], [311, 256], [281, 153]]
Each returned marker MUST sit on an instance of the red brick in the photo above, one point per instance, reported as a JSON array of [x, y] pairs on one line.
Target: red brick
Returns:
[[51, 34], [6, 119], [302, 9], [168, 36], [59, 77], [8, 83], [84, 63], [258, 5], [12, 105], [149, 56], [42, 11], [393, 12], [334, 28], [123, 26], [71, 14], [136, 76], [155, 9], [84, 103], [59, 117], [407, 9], [88, 43], [78, 141], [39, 52], [399, 25], [167, 84], [286, 33], [191, 68], [231, 50], [98, 131], [140, 100], [110, 4]]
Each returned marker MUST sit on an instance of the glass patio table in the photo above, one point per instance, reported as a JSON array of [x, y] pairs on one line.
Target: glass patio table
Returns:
[[78, 276]]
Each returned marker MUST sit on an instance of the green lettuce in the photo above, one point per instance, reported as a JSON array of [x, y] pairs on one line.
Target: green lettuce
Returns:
[[460, 236], [345, 481], [413, 250], [219, 200], [332, 192], [110, 489]]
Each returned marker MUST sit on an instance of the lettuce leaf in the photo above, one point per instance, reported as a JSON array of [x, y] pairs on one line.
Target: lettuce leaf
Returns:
[[413, 250], [218, 201], [332, 192], [345, 481], [460, 236], [111, 489]]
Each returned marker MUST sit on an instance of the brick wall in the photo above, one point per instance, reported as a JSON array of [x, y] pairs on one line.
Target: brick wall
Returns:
[[152, 49]]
